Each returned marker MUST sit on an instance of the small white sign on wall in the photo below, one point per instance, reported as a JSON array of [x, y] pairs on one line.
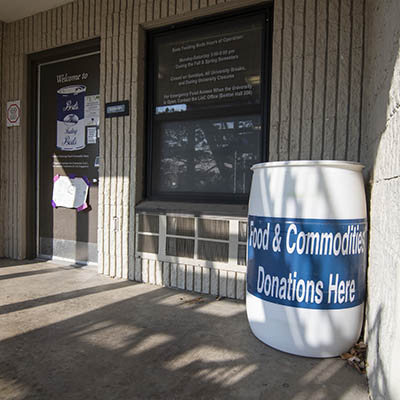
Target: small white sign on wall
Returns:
[[13, 116]]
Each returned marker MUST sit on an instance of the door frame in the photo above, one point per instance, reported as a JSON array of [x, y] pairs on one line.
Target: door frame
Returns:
[[34, 61]]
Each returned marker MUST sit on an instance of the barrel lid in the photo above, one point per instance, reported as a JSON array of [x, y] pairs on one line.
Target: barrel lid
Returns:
[[352, 165]]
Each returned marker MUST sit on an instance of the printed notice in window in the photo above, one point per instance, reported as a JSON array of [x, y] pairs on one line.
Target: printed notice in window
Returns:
[[209, 98], [209, 66]]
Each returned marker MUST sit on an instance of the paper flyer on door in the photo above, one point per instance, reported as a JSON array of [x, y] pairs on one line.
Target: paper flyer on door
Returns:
[[70, 192]]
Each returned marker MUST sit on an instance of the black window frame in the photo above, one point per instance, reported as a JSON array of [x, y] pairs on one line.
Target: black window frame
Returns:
[[264, 106]]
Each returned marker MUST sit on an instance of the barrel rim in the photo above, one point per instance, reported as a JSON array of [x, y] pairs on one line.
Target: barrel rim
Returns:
[[352, 165]]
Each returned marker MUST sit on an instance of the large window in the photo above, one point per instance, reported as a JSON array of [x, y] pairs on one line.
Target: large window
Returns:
[[208, 107]]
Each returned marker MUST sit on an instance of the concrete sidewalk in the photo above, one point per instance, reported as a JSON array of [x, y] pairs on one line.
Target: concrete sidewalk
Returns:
[[69, 333]]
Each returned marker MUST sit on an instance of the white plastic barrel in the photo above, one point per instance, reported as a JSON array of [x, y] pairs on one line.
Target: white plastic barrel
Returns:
[[307, 256]]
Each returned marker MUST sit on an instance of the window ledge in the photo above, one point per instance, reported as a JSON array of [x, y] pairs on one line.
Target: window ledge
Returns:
[[195, 209]]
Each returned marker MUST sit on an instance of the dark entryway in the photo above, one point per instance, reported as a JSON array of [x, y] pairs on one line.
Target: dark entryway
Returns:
[[68, 112]]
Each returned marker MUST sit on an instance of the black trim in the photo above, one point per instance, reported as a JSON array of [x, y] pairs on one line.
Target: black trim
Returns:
[[266, 7], [267, 82], [264, 106], [70, 50], [149, 90], [34, 60]]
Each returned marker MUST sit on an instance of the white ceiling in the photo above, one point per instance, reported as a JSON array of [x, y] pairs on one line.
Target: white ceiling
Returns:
[[13, 10]]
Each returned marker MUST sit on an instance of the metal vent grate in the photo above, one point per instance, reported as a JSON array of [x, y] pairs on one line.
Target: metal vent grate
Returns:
[[148, 223], [181, 226], [148, 244], [213, 242], [213, 251], [213, 229], [179, 247]]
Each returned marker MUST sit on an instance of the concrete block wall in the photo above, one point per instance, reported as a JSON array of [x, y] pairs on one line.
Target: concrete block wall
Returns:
[[317, 79], [315, 104], [381, 152], [13, 148]]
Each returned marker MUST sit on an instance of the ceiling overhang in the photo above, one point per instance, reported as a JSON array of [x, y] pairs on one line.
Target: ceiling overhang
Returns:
[[14, 10]]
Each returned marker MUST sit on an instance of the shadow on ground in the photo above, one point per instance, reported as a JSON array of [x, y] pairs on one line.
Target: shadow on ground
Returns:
[[68, 333]]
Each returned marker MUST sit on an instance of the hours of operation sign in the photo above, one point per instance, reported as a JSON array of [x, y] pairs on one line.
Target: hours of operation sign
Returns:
[[214, 66]]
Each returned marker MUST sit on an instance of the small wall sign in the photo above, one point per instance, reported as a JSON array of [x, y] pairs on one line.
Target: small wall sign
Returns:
[[13, 113], [117, 109]]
